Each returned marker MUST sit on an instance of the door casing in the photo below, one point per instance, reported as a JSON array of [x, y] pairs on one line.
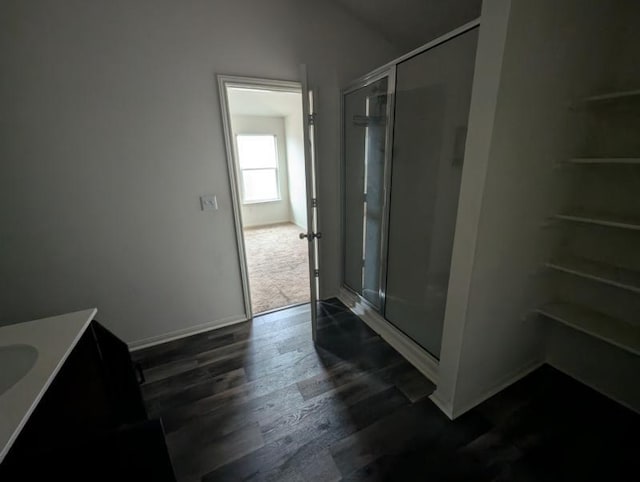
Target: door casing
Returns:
[[225, 82]]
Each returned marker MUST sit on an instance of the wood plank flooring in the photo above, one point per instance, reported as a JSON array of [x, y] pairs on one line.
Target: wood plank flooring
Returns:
[[260, 401]]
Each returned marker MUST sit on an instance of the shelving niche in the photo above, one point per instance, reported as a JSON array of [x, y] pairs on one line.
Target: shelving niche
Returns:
[[596, 269]]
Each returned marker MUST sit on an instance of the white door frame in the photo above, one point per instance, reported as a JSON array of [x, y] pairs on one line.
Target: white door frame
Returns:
[[224, 82]]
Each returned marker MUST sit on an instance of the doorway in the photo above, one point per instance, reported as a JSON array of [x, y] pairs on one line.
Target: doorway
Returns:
[[265, 136]]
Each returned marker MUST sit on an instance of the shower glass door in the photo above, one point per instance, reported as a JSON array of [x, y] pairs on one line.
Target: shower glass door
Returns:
[[366, 110], [432, 97]]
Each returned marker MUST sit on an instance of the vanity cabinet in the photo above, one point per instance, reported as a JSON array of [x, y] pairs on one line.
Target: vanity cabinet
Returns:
[[91, 423]]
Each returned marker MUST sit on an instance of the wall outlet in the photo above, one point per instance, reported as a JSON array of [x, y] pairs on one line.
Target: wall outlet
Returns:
[[209, 202]]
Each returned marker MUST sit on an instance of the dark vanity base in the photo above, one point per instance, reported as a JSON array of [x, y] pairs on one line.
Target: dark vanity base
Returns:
[[91, 424]]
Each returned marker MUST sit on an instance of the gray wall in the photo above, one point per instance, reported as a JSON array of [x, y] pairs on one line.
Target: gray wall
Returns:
[[110, 130]]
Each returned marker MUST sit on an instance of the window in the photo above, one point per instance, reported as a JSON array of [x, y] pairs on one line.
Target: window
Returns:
[[258, 161]]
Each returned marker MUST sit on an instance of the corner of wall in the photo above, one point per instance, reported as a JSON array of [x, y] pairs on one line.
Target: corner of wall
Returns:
[[463, 406], [488, 67]]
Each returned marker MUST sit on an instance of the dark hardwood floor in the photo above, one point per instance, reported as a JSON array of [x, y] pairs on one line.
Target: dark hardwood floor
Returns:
[[258, 401]]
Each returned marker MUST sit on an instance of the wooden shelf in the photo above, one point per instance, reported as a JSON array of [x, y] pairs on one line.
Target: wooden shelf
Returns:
[[612, 96], [594, 270], [601, 220], [605, 160], [613, 331]]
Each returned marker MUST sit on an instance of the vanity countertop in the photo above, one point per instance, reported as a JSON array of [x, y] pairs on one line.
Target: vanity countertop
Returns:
[[53, 338]]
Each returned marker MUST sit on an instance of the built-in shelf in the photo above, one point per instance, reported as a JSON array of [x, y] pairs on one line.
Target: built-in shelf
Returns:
[[601, 220], [605, 160], [601, 326], [594, 270], [612, 95]]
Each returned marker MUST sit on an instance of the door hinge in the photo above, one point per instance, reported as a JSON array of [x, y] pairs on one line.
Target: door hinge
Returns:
[[311, 119], [316, 273], [314, 202]]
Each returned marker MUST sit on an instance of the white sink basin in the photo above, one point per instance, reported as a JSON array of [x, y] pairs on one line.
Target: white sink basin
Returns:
[[15, 362]]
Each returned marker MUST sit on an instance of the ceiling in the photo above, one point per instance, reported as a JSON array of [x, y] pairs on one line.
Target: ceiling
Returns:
[[408, 24], [263, 102]]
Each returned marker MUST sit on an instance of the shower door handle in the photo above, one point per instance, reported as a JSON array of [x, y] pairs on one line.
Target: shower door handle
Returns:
[[310, 236]]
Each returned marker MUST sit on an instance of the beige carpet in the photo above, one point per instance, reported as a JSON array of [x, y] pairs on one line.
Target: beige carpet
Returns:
[[278, 266]]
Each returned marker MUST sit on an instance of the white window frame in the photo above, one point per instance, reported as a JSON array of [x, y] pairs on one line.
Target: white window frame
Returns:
[[276, 169]]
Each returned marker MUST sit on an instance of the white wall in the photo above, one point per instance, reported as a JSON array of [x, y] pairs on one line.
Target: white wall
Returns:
[[272, 212], [110, 130], [488, 67], [295, 164], [519, 128]]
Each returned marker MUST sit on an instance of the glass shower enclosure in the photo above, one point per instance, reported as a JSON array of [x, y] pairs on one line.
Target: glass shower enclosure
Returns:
[[404, 132]]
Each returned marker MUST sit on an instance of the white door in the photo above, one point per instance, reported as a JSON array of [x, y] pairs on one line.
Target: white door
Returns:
[[312, 236]]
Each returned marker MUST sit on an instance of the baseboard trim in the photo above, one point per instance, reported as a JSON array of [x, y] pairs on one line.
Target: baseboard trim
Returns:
[[444, 406], [497, 388], [285, 307], [592, 386], [269, 225], [410, 350], [177, 334]]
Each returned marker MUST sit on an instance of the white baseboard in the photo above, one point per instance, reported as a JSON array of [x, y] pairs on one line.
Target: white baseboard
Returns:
[[409, 349], [498, 387], [593, 386], [270, 224], [177, 334], [444, 405]]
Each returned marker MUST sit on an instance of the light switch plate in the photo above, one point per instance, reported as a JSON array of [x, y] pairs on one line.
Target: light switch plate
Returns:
[[209, 202]]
